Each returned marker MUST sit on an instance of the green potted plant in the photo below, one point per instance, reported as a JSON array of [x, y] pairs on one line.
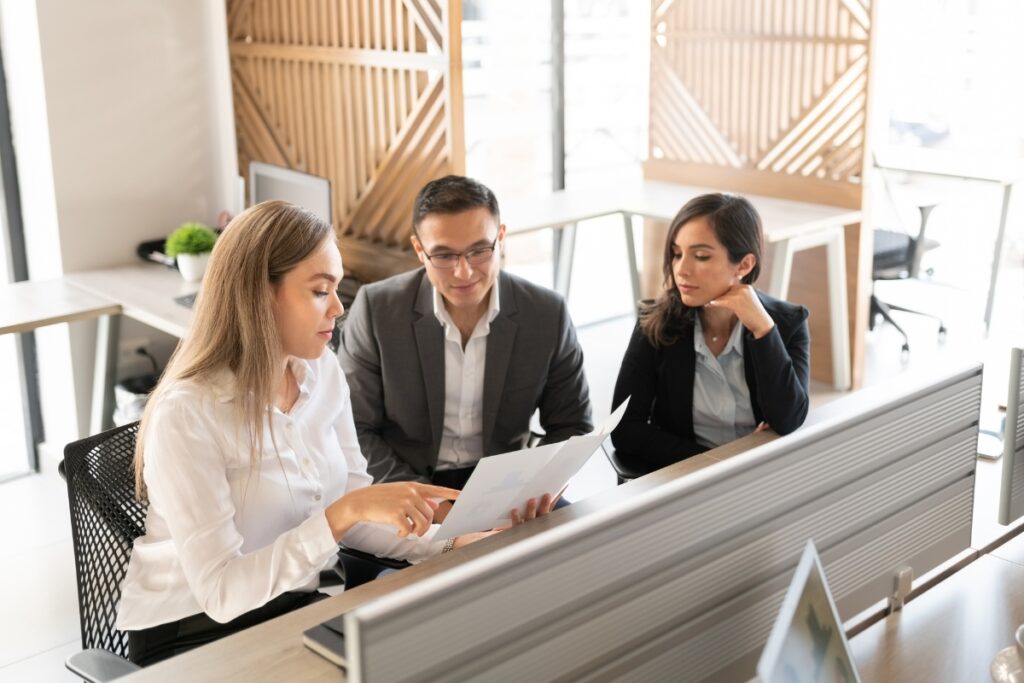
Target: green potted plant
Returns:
[[191, 245]]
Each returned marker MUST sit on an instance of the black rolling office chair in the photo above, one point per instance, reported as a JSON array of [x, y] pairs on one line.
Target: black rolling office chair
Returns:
[[624, 471], [897, 256], [106, 519]]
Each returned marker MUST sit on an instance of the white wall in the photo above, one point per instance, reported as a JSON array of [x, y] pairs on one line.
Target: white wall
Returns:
[[122, 121]]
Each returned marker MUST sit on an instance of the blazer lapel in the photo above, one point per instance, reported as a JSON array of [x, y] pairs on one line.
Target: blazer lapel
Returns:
[[500, 341], [430, 347]]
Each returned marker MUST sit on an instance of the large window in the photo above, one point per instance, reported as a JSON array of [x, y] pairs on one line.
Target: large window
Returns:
[[20, 422], [512, 124]]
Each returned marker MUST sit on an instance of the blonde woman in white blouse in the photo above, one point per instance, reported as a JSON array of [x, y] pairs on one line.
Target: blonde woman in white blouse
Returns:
[[247, 452]]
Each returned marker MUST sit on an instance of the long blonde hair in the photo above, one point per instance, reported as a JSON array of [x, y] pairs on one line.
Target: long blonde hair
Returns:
[[233, 326]]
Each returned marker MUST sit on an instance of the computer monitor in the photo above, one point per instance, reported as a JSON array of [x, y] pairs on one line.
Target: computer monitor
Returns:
[[807, 642], [267, 181]]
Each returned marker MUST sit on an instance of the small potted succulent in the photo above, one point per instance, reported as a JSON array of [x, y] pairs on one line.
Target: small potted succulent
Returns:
[[191, 245]]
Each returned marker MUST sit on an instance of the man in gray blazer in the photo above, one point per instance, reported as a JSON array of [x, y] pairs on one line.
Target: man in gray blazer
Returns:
[[447, 363]]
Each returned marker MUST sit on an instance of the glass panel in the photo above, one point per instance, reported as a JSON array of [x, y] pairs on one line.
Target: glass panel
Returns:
[[14, 447]]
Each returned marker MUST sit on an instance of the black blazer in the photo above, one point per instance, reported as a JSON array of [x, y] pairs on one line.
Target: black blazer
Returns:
[[657, 429]]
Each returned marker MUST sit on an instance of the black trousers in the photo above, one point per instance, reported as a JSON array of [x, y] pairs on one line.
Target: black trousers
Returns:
[[157, 643]]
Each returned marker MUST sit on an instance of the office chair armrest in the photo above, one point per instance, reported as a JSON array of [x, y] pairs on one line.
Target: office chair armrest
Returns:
[[359, 567], [385, 562], [624, 471], [99, 666]]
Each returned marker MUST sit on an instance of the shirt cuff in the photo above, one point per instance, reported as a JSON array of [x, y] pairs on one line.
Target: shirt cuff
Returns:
[[316, 539]]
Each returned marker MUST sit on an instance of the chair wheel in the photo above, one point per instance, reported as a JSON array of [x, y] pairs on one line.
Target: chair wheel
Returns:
[[905, 353], [942, 331]]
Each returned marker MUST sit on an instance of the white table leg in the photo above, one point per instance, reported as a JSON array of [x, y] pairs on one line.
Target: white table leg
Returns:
[[834, 240], [108, 333], [997, 256], [782, 267], [566, 239], [838, 310], [634, 273]]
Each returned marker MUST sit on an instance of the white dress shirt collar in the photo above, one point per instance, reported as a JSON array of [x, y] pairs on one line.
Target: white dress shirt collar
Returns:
[[483, 326]]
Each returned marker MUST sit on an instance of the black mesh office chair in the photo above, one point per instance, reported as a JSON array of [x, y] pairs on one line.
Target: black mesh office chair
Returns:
[[897, 256], [106, 519]]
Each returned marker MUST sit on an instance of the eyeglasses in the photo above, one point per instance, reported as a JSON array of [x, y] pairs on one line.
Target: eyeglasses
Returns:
[[446, 260]]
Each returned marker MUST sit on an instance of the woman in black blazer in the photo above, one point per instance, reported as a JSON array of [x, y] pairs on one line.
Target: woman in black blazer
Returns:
[[712, 359]]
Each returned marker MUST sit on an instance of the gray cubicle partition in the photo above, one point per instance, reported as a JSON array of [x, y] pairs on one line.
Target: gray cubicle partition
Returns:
[[682, 581], [1011, 500]]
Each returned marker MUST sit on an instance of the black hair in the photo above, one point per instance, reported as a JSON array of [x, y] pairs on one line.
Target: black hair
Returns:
[[736, 225], [452, 194]]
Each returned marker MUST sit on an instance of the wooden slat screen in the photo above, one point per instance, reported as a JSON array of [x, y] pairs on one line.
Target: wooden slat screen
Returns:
[[366, 93], [767, 94]]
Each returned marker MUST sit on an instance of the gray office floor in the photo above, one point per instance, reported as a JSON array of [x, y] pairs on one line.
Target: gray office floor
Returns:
[[40, 622]]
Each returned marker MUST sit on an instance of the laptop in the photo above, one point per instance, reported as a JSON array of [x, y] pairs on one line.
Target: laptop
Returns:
[[807, 644], [328, 640]]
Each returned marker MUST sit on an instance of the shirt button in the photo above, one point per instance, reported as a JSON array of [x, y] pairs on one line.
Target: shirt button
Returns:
[[317, 497], [306, 461]]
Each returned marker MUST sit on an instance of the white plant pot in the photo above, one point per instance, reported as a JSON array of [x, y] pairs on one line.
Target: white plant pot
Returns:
[[192, 266]]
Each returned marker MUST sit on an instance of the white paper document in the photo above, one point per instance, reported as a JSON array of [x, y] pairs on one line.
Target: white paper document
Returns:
[[503, 482]]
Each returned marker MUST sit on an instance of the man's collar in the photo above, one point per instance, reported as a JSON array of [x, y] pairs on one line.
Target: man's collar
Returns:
[[493, 305]]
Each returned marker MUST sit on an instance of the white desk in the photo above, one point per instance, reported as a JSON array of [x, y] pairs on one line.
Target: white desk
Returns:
[[25, 306], [789, 227], [1003, 172], [143, 292]]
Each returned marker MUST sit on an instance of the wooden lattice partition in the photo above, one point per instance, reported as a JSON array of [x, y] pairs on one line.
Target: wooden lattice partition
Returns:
[[367, 93], [770, 97]]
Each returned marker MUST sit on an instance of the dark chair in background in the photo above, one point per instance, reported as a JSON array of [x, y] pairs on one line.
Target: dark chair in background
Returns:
[[624, 471], [897, 256], [106, 519]]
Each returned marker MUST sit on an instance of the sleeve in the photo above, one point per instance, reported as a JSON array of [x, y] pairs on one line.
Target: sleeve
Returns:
[[359, 356], [637, 437], [186, 477], [782, 375], [565, 401], [378, 539]]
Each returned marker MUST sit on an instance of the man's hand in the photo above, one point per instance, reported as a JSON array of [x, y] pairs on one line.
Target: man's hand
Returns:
[[443, 508]]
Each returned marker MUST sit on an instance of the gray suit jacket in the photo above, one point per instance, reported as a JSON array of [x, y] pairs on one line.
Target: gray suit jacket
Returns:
[[392, 352]]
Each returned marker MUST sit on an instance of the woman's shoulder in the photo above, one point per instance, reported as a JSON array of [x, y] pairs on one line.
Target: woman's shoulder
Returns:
[[191, 396]]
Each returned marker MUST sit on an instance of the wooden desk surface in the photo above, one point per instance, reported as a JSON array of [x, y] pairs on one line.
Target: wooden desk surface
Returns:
[[24, 306], [1004, 171], [1012, 550], [145, 291], [660, 200], [951, 632], [274, 650], [782, 219]]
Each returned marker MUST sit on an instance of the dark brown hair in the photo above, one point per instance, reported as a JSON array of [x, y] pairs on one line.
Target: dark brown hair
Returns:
[[736, 225], [452, 194]]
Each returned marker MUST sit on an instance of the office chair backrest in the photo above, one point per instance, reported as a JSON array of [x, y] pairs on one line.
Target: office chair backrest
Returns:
[[105, 520]]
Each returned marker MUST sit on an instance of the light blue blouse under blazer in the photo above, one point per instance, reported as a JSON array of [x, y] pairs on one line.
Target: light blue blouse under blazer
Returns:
[[721, 397]]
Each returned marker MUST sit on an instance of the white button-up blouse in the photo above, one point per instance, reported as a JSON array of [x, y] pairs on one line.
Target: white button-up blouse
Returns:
[[224, 538]]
